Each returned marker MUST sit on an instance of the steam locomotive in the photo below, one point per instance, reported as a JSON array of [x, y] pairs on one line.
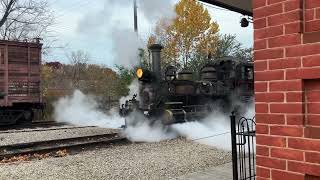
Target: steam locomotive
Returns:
[[174, 97]]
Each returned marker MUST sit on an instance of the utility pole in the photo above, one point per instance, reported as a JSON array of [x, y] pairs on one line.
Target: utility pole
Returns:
[[135, 10]]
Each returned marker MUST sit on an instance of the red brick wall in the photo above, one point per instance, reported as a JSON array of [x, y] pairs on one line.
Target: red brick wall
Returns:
[[312, 16], [287, 86]]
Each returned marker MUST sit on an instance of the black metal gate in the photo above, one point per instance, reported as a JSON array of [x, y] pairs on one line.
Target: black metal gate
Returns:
[[243, 141]]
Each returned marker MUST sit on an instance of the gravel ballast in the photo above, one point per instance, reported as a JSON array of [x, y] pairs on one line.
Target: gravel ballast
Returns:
[[164, 160], [25, 137]]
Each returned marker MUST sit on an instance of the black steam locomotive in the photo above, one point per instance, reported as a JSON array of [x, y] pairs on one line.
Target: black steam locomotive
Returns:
[[174, 97]]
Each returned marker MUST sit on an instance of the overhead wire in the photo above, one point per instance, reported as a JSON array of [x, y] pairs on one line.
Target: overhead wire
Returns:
[[209, 137]]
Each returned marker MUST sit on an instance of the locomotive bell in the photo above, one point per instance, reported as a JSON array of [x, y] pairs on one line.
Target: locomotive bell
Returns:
[[156, 59], [208, 73]]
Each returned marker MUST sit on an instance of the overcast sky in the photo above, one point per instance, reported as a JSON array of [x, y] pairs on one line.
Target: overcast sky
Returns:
[[90, 25]]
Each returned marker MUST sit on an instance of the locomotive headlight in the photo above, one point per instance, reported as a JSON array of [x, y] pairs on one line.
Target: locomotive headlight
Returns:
[[139, 73]]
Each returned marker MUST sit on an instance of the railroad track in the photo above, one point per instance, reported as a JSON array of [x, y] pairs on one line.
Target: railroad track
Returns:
[[33, 125], [9, 151], [42, 129]]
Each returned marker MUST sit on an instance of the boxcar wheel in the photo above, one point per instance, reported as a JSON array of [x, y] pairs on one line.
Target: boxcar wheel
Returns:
[[28, 115]]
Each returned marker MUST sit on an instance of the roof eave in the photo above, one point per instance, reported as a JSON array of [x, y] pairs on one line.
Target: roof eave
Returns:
[[229, 7]]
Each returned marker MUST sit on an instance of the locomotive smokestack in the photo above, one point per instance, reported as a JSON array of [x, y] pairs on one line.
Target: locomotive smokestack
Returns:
[[156, 59]]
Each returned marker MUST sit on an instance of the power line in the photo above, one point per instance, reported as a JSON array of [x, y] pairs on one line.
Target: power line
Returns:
[[207, 137]]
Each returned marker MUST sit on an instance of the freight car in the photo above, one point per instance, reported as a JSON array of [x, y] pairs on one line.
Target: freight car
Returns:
[[20, 92], [175, 97]]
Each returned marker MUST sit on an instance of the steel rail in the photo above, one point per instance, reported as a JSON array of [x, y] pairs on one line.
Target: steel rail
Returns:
[[33, 125], [8, 151], [43, 130]]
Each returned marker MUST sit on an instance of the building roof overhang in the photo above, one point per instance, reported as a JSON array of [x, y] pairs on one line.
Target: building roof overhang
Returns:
[[241, 6]]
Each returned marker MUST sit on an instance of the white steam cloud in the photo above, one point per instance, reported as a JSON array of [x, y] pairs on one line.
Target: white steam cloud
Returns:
[[115, 19], [156, 9], [213, 131], [109, 16], [101, 21], [139, 130], [80, 109], [126, 46]]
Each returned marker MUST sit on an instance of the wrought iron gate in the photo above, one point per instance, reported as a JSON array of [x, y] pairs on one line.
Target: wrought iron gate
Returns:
[[243, 141]]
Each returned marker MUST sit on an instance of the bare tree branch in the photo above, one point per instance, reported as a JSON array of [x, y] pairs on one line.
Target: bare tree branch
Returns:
[[25, 19], [79, 61], [8, 10]]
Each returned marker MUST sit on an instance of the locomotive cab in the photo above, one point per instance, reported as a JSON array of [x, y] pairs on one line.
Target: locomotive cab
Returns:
[[245, 80]]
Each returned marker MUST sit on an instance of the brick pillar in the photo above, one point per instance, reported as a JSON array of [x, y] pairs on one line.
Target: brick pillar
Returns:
[[287, 88]]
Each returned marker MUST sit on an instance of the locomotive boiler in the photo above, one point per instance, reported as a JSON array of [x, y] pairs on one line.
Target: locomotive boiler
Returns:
[[172, 97]]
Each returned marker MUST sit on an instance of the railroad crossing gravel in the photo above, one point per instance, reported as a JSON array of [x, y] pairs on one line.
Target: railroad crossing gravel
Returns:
[[164, 160], [25, 137]]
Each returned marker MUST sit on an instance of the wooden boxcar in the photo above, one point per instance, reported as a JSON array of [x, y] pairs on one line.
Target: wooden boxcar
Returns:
[[20, 81]]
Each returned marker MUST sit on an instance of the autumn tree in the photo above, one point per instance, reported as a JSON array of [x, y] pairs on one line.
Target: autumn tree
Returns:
[[80, 74], [46, 78], [25, 19], [227, 45], [164, 36], [191, 32], [99, 80]]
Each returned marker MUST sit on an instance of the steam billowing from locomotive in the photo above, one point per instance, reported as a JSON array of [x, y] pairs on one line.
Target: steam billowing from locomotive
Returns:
[[80, 109]]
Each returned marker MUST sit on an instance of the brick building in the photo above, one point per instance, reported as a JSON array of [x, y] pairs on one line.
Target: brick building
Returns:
[[287, 85]]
